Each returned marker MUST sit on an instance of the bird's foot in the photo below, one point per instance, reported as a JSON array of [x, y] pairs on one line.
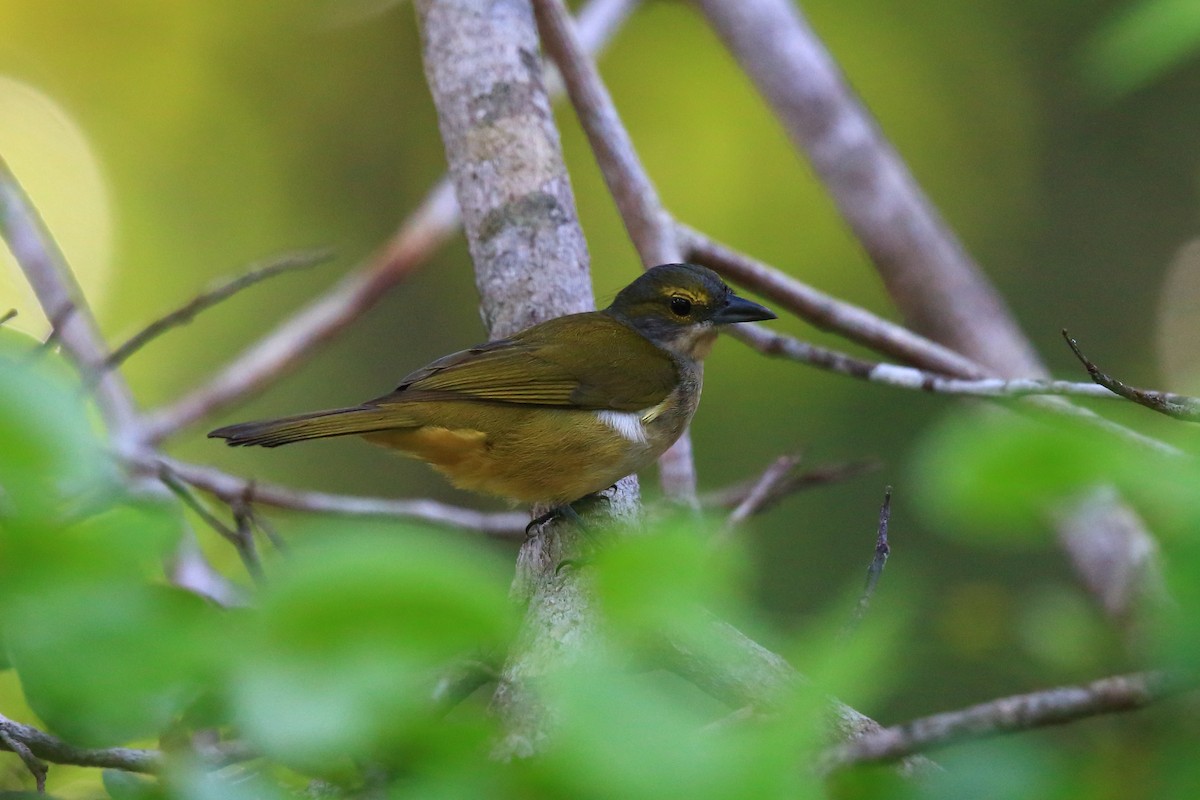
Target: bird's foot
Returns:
[[563, 512], [568, 512]]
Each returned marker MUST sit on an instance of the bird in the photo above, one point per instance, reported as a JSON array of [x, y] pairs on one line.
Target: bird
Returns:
[[557, 412]]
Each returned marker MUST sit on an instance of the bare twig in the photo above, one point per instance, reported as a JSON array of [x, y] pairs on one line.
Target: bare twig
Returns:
[[761, 492], [242, 539], [189, 569], [288, 262], [44, 746], [647, 222], [7, 315], [433, 223], [777, 344], [232, 489], [1174, 405], [1120, 565], [645, 219], [35, 765], [882, 550], [732, 496], [824, 311], [58, 294], [1006, 715], [902, 377], [281, 351]]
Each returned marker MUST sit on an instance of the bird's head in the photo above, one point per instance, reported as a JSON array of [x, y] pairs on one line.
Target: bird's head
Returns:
[[677, 306]]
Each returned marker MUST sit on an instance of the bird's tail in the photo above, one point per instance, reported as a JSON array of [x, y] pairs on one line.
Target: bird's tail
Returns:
[[316, 425]]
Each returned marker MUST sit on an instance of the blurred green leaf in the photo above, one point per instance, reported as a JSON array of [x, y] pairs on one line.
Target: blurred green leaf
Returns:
[[667, 582], [52, 460], [102, 663], [989, 472], [352, 632], [624, 735], [125, 540], [1009, 768], [127, 786], [1060, 628], [1139, 44], [192, 782]]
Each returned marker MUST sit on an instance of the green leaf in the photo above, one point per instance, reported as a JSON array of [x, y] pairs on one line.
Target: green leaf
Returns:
[[644, 736], [127, 786], [119, 540], [51, 460], [667, 582], [1138, 45], [352, 632], [192, 782], [104, 662], [1001, 475]]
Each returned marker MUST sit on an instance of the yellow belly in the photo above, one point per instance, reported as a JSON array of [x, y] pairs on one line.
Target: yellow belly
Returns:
[[532, 455]]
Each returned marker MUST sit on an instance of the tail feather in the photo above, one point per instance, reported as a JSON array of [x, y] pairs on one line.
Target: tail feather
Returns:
[[316, 425]]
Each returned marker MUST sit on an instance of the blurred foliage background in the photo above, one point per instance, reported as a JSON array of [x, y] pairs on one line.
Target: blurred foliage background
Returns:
[[168, 144]]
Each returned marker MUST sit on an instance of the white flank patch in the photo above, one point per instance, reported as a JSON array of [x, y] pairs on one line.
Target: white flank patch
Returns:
[[626, 423]]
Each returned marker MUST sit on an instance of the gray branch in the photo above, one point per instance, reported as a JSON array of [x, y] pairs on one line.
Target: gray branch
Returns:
[[57, 292], [55, 750], [50, 748], [1005, 715], [531, 264], [234, 489]]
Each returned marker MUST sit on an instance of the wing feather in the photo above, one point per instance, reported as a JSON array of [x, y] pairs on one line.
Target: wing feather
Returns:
[[589, 361]]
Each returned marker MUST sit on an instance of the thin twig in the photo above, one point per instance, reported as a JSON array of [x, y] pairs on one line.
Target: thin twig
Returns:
[[241, 542], [1035, 394], [425, 230], [35, 765], [1178, 406], [732, 496], [44, 746], [243, 518], [58, 294], [901, 377], [646, 221], [288, 262], [760, 493], [246, 507], [230, 488], [825, 311], [1005, 715], [882, 550], [7, 315]]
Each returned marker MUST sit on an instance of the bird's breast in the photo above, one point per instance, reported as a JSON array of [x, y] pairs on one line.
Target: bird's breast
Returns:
[[652, 430]]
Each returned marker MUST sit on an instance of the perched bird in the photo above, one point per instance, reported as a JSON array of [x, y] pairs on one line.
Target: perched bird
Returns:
[[556, 412]]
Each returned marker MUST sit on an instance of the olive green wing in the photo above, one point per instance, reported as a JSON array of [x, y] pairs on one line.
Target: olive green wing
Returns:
[[586, 361]]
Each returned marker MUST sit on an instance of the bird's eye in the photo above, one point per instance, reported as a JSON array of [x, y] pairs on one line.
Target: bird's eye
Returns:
[[681, 306]]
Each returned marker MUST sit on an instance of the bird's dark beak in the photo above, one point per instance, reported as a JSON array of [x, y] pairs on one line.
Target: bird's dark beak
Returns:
[[739, 309]]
